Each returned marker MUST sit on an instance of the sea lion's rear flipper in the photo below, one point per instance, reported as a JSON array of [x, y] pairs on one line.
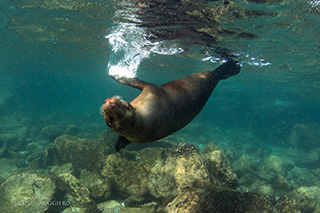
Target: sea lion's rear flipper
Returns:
[[133, 82], [227, 69], [121, 143]]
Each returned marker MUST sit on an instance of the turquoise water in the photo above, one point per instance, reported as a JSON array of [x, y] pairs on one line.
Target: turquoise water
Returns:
[[55, 57]]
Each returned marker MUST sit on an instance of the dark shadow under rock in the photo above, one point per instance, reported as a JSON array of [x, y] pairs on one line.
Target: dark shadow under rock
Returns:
[[219, 199]]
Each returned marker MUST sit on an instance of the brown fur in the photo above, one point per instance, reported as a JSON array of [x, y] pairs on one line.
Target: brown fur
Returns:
[[162, 110]]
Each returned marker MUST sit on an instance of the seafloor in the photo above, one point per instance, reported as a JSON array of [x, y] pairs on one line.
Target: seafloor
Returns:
[[65, 161], [63, 168]]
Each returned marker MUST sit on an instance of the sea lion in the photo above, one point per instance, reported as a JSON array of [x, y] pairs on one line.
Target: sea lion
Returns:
[[161, 110]]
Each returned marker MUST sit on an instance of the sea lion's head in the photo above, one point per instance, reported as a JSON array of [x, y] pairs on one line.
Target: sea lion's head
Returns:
[[118, 114]]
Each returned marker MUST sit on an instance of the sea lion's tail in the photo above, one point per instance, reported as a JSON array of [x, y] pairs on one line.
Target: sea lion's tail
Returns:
[[228, 69]]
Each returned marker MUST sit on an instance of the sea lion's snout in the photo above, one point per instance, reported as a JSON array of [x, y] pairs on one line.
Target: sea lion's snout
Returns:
[[110, 103], [117, 113]]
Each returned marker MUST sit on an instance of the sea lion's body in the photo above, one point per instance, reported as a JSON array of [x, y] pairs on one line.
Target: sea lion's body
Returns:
[[162, 110]]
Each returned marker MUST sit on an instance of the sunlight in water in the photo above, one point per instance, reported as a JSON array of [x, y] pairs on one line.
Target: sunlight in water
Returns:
[[130, 45]]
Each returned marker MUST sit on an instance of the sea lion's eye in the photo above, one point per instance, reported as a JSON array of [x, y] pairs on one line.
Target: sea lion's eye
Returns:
[[129, 107], [109, 123]]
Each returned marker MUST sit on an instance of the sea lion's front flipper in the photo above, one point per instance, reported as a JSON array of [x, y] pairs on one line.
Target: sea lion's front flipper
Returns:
[[227, 69], [121, 143], [133, 82]]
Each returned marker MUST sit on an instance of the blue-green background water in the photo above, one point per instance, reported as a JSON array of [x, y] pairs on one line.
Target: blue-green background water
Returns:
[[54, 70]]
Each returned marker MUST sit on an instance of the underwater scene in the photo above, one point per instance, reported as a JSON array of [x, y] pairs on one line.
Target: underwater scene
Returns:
[[74, 137]]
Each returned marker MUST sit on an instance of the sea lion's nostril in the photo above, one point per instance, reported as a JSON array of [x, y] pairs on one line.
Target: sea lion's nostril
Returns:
[[111, 104]]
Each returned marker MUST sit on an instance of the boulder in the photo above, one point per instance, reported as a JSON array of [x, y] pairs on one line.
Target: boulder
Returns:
[[51, 132], [7, 167], [99, 187], [110, 206], [187, 169], [82, 153], [305, 136], [307, 198], [273, 166], [219, 199], [27, 192], [128, 177], [77, 194]]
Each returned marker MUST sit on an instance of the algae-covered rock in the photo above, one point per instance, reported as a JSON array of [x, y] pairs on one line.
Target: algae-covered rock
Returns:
[[137, 210], [244, 165], [26, 192], [285, 204], [220, 169], [99, 187], [51, 132], [7, 167], [307, 198], [72, 129], [111, 206], [273, 166], [57, 170], [151, 154], [188, 169], [128, 177], [50, 157], [219, 199], [82, 153], [184, 150], [266, 190], [169, 177], [76, 193], [305, 136], [282, 185]]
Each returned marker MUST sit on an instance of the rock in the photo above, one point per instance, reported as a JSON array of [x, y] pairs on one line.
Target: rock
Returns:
[[184, 170], [273, 166], [220, 169], [184, 150], [244, 165], [57, 170], [219, 199], [135, 201], [26, 193], [210, 147], [285, 204], [137, 210], [7, 167], [98, 187], [302, 177], [248, 179], [261, 187], [151, 154], [282, 185], [4, 152], [72, 129], [50, 157], [168, 178], [266, 190], [82, 153], [313, 156], [76, 194], [51, 132], [305, 136], [307, 198], [128, 177], [111, 206]]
